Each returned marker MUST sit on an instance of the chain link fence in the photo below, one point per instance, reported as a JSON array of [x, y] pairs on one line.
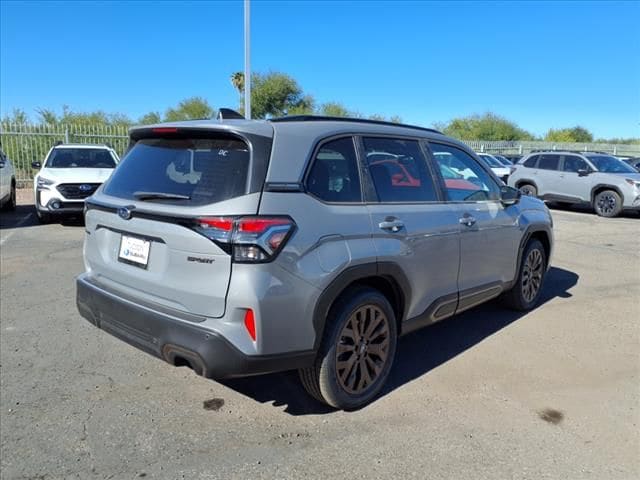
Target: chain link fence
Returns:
[[26, 143]]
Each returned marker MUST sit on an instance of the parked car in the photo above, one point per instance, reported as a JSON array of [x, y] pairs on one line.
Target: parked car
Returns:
[[292, 247], [634, 162], [7, 183], [502, 171], [513, 158], [603, 181], [70, 174], [502, 159]]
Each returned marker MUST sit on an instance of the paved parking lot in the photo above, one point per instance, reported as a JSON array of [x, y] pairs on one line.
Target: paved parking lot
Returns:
[[490, 394]]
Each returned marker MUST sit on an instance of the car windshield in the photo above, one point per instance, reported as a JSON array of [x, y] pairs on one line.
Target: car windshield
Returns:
[[492, 162], [80, 158], [609, 164]]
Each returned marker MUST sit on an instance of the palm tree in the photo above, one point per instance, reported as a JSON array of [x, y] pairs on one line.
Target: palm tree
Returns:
[[237, 80]]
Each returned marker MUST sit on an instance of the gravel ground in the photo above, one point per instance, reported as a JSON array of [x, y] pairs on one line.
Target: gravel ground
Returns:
[[489, 394]]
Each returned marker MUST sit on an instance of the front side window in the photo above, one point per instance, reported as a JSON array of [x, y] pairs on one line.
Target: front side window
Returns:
[[182, 171], [465, 180], [549, 162], [334, 174], [399, 170], [80, 158], [572, 163]]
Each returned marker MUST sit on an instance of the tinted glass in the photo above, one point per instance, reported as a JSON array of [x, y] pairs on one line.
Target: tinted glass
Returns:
[[492, 162], [464, 178], [80, 158], [549, 162], [609, 164], [531, 162], [194, 171], [334, 175], [399, 170], [573, 163]]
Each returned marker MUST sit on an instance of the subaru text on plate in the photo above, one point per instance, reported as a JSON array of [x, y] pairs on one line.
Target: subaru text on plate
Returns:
[[243, 247], [70, 174]]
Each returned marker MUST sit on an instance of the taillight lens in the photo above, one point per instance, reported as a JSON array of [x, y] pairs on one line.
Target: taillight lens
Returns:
[[248, 239]]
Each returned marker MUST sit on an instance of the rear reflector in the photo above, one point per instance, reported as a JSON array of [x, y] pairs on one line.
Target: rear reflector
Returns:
[[250, 324]]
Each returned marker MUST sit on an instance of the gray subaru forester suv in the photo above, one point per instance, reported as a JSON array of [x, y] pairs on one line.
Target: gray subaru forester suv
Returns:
[[600, 180], [242, 247]]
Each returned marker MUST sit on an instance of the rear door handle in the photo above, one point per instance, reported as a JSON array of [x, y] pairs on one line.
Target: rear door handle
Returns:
[[467, 220], [391, 225]]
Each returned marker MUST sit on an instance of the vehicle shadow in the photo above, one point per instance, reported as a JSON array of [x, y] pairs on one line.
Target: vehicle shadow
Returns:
[[587, 209], [418, 353], [22, 216]]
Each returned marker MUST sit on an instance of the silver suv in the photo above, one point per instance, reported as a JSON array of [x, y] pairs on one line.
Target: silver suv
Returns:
[[242, 247], [600, 180]]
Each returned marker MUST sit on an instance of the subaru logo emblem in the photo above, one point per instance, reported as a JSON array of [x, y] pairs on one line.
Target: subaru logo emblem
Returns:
[[124, 213], [85, 187]]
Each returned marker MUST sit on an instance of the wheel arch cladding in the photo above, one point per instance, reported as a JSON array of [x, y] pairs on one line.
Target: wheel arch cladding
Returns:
[[601, 187], [386, 277]]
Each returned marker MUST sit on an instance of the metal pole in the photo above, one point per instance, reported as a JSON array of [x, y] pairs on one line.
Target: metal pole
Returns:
[[247, 61]]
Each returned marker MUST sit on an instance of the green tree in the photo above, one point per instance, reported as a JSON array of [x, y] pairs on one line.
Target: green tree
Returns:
[[488, 126], [150, 118], [275, 94], [194, 108], [17, 116], [573, 135], [48, 116], [334, 109]]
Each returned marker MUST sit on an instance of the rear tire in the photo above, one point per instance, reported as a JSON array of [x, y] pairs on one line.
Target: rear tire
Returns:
[[10, 206], [607, 203], [525, 294], [528, 189], [356, 352]]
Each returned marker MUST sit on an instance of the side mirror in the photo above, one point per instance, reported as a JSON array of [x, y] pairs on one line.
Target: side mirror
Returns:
[[509, 195], [36, 165], [583, 172]]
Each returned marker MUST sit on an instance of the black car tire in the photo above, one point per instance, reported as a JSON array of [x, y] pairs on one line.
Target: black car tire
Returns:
[[370, 355], [525, 294], [528, 189], [43, 217], [607, 203], [10, 205]]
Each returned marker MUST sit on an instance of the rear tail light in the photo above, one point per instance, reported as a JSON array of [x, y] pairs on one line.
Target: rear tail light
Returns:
[[248, 239]]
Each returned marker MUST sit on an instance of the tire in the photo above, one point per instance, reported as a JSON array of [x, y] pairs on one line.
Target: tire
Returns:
[[528, 189], [607, 203], [363, 353], [43, 217], [525, 294], [10, 206]]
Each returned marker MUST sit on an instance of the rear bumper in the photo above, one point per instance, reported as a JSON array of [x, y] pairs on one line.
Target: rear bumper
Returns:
[[164, 336]]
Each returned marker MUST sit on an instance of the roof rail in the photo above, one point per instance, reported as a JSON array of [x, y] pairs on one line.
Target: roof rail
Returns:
[[229, 114], [323, 118]]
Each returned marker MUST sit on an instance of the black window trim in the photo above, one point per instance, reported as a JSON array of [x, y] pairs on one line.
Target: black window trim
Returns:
[[312, 160], [479, 162], [372, 196]]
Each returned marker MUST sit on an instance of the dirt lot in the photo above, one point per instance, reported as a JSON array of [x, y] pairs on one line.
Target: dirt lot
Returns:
[[490, 394]]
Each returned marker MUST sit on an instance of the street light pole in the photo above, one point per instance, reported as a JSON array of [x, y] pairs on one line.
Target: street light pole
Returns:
[[247, 61]]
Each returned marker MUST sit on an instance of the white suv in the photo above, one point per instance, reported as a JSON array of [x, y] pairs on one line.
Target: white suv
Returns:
[[70, 174]]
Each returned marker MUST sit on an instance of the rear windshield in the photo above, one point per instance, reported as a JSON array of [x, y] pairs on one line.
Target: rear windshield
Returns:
[[80, 158], [181, 171]]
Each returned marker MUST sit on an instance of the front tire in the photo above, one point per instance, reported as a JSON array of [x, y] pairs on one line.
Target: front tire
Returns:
[[525, 294], [528, 189], [607, 204], [356, 352], [43, 217]]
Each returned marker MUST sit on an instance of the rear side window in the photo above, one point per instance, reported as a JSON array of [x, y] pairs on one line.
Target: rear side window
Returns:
[[334, 174], [549, 162], [80, 158], [399, 170], [531, 161], [182, 171]]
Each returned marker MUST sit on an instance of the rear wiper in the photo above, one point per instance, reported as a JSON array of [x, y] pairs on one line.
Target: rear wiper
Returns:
[[160, 196]]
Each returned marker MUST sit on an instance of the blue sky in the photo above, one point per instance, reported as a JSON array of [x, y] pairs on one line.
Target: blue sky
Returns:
[[541, 64]]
